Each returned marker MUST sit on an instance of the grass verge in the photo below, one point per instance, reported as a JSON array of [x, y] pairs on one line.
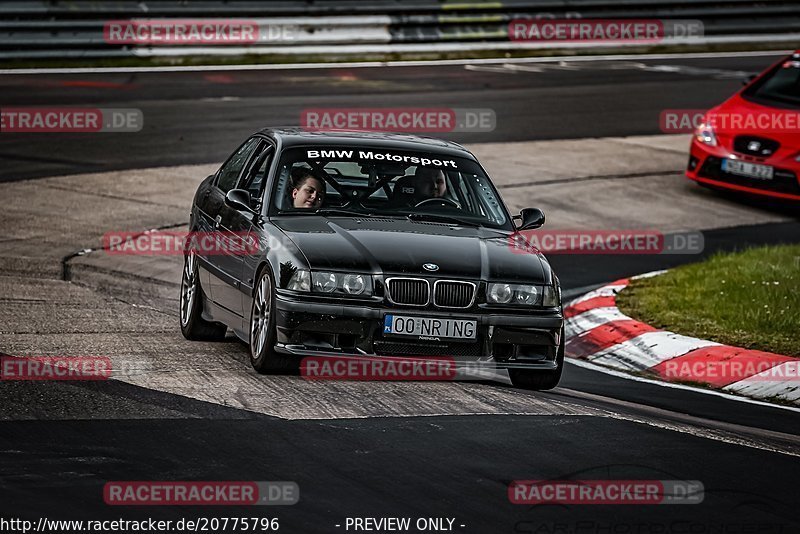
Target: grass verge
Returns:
[[747, 299]]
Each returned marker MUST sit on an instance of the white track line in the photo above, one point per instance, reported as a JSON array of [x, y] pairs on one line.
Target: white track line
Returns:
[[620, 374], [373, 64]]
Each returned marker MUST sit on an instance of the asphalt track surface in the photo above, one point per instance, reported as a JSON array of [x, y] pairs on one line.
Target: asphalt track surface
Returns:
[[199, 117], [62, 442]]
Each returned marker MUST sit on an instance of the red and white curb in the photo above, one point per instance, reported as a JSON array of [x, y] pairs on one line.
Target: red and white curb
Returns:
[[596, 331]]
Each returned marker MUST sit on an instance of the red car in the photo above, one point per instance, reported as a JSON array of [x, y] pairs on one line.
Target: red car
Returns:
[[751, 142]]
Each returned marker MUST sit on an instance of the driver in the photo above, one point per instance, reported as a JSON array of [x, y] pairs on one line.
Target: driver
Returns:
[[436, 177], [308, 191]]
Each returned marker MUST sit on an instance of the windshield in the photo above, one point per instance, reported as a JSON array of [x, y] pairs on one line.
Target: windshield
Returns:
[[386, 183], [780, 87]]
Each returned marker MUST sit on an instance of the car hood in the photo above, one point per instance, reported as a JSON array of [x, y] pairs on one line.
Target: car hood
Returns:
[[748, 112], [398, 246]]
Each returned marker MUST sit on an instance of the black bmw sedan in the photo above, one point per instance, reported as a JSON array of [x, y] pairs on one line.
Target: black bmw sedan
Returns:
[[372, 246]]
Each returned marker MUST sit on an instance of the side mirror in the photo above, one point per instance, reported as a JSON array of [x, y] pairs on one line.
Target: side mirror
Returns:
[[531, 218], [238, 199], [749, 79]]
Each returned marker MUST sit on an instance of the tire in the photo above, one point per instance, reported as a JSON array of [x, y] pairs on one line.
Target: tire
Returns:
[[193, 326], [263, 357], [540, 380]]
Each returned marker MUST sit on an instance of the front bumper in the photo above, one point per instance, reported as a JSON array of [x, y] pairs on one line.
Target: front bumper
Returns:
[[503, 340], [705, 166]]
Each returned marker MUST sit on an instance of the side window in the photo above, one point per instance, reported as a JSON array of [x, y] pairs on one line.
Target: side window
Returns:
[[230, 171], [256, 176]]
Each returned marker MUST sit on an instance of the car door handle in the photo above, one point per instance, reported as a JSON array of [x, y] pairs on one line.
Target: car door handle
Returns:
[[217, 220]]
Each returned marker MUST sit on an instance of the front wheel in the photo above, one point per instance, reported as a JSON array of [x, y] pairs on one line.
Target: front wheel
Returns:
[[540, 380], [262, 329]]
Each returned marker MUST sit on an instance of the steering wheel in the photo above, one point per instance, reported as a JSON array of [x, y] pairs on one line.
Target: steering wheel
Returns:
[[445, 201]]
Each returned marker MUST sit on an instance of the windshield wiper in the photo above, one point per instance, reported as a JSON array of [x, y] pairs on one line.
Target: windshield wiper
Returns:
[[342, 212], [440, 218], [326, 211]]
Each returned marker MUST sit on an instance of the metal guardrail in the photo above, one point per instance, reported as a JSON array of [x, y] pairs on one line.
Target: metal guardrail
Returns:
[[64, 29], [171, 8]]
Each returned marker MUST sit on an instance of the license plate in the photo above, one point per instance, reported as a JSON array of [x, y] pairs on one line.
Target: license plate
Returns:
[[432, 328], [751, 170]]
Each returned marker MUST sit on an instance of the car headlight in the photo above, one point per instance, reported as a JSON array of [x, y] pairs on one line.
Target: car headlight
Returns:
[[526, 295], [331, 283], [516, 294], [323, 282], [704, 133], [354, 284], [500, 293], [551, 297], [300, 281], [523, 295]]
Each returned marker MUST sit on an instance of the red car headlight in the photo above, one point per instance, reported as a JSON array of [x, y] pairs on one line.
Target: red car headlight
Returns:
[[704, 133]]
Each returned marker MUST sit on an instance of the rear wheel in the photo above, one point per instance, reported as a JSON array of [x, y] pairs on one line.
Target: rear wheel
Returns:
[[540, 380], [262, 329], [193, 326]]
